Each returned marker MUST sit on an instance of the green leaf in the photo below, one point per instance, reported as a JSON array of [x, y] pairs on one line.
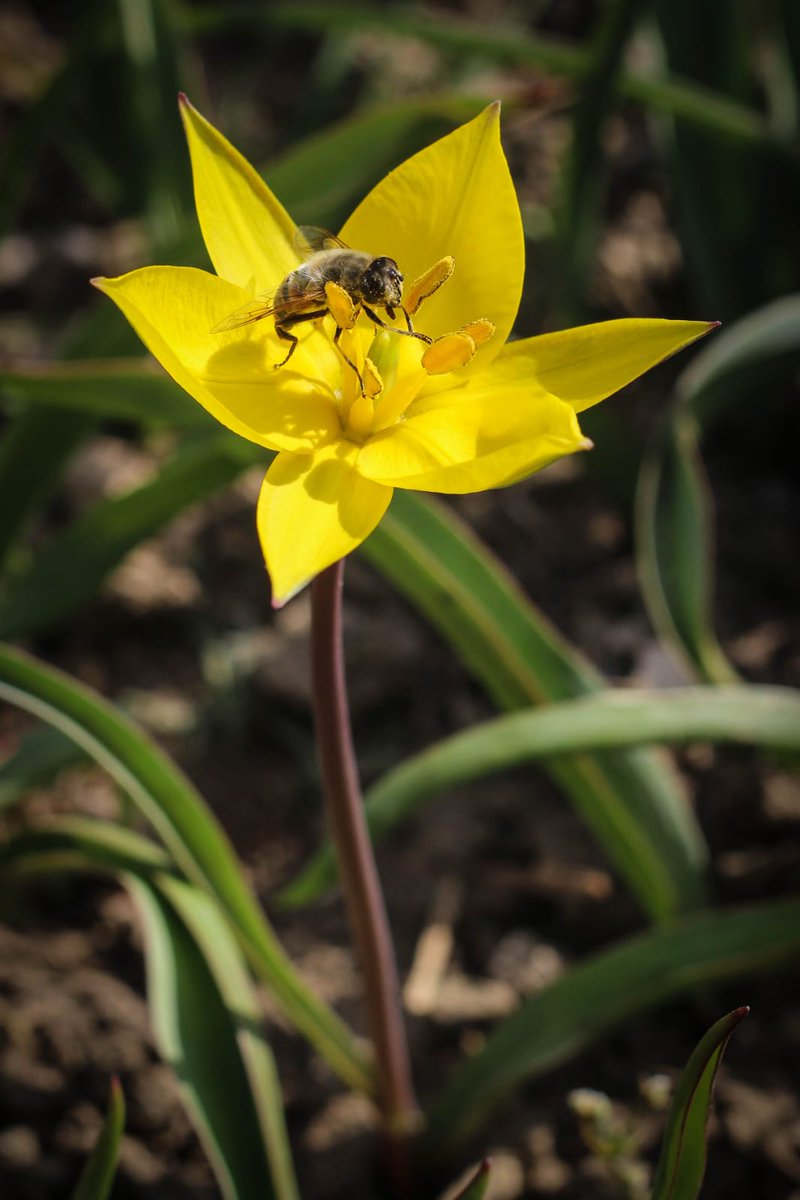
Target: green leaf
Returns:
[[98, 1174], [188, 829], [466, 593], [112, 389], [682, 1163], [676, 549], [41, 754], [674, 522], [603, 993], [72, 567], [767, 716], [204, 1008]]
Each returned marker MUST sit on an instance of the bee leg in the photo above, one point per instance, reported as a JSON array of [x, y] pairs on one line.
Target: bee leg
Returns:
[[285, 336], [410, 332], [349, 361], [283, 332]]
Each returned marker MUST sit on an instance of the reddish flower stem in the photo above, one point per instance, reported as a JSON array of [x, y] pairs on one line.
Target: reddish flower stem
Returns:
[[358, 873]]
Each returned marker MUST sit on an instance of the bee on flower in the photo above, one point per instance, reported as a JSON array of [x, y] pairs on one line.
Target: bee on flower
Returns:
[[435, 399]]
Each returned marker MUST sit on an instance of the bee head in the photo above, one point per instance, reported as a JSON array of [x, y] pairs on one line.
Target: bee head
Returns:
[[382, 283]]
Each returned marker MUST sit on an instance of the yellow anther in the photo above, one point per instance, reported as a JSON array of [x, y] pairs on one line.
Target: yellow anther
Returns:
[[373, 384], [428, 283], [448, 353], [340, 306], [480, 331]]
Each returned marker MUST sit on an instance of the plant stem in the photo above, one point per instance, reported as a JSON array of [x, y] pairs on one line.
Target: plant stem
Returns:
[[359, 875]]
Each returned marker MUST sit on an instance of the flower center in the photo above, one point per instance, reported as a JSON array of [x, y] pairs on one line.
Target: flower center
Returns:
[[390, 371]]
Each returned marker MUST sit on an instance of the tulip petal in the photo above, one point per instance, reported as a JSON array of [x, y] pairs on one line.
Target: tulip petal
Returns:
[[173, 309], [312, 511], [455, 198], [248, 234], [586, 364], [485, 435]]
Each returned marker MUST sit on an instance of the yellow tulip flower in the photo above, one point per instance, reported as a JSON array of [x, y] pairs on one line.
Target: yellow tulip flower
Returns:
[[468, 412]]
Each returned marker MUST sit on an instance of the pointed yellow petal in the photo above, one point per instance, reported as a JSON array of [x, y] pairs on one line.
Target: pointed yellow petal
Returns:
[[248, 234], [468, 439], [586, 364], [312, 511], [173, 309], [454, 198]]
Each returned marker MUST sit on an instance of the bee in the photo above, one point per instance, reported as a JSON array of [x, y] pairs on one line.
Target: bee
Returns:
[[370, 282]]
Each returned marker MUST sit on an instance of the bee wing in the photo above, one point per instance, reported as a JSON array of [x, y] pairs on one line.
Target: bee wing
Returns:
[[254, 310], [308, 239]]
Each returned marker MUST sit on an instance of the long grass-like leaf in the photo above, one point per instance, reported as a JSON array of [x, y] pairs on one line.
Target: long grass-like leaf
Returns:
[[41, 754], [98, 1173], [466, 593], [604, 992], [682, 1162], [766, 716], [674, 522], [203, 1003], [190, 832]]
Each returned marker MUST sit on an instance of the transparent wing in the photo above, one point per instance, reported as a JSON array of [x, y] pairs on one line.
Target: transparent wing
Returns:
[[308, 239], [254, 310]]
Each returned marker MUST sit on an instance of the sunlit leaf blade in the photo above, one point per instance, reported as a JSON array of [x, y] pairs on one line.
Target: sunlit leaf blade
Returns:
[[114, 389], [602, 993], [681, 98], [71, 568], [466, 593], [478, 1185], [190, 832], [41, 754], [682, 1162], [612, 720], [98, 1173], [203, 1003], [196, 1036], [673, 511]]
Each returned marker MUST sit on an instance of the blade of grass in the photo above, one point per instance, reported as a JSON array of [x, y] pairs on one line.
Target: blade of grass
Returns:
[[196, 1036], [191, 833], [42, 753], [69, 571], [674, 522], [235, 1132], [98, 1174], [752, 715], [465, 592], [603, 993], [682, 1162]]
